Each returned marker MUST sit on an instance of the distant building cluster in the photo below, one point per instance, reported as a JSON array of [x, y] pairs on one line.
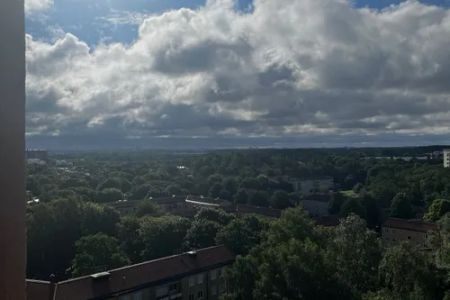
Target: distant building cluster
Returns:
[[310, 186], [194, 275], [36, 154]]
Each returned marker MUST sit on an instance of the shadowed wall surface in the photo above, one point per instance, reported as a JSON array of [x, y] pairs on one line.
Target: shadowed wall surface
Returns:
[[12, 179]]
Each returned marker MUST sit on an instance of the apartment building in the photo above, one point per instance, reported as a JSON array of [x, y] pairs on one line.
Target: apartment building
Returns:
[[446, 157], [195, 275], [417, 232], [310, 186]]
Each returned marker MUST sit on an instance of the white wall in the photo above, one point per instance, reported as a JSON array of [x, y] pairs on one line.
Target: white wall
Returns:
[[12, 182]]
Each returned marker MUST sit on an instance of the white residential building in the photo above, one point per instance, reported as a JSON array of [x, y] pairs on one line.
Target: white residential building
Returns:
[[446, 158]]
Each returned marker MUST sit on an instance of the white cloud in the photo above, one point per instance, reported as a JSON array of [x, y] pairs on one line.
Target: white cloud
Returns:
[[289, 67], [32, 6]]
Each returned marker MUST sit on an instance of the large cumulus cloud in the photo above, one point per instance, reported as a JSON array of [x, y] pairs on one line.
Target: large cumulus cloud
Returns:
[[32, 6], [289, 68]]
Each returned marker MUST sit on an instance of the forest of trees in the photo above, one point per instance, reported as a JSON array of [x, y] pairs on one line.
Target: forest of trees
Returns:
[[72, 232]]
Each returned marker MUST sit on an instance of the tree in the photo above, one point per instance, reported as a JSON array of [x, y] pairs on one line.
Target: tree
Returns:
[[215, 215], [297, 270], [356, 253], [96, 218], [294, 223], [96, 253], [201, 234], [162, 236], [241, 278], [215, 190], [242, 234], [130, 239], [401, 206], [372, 210], [437, 209], [110, 183], [241, 197], [109, 195], [259, 198], [280, 200], [407, 274], [352, 206], [336, 203], [147, 208], [140, 192], [53, 229]]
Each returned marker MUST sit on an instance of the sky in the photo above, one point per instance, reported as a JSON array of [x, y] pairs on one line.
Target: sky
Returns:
[[223, 73]]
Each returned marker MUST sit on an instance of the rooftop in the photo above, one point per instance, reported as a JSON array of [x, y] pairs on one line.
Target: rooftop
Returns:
[[265, 211], [414, 225], [134, 277]]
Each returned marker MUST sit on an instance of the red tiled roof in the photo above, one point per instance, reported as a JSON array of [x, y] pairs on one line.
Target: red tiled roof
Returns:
[[168, 200], [147, 273], [327, 221], [414, 225]]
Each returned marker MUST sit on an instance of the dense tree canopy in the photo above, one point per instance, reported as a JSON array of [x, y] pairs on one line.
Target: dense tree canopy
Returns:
[[286, 258]]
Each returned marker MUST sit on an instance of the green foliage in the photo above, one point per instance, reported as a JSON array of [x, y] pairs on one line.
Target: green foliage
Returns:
[[147, 208], [259, 198], [201, 234], [352, 206], [215, 215], [401, 206], [109, 195], [162, 236], [356, 253], [242, 234], [297, 270], [140, 192], [294, 223], [437, 209], [280, 200], [407, 274], [241, 196], [62, 223], [130, 238], [96, 253]]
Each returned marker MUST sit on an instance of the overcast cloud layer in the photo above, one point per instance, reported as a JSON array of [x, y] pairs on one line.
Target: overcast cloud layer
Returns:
[[290, 68]]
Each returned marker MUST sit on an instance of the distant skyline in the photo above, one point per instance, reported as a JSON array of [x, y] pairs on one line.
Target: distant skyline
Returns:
[[223, 73]]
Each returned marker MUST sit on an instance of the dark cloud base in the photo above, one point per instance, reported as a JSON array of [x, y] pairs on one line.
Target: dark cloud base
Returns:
[[94, 143]]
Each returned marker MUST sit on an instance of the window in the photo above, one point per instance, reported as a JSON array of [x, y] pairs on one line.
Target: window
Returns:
[[191, 297], [200, 295], [213, 274], [138, 295], [214, 290], [199, 278], [162, 291], [174, 287], [191, 281]]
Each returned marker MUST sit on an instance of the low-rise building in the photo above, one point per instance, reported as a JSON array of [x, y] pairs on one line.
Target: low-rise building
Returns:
[[315, 208], [193, 275], [417, 232], [243, 209], [312, 186]]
